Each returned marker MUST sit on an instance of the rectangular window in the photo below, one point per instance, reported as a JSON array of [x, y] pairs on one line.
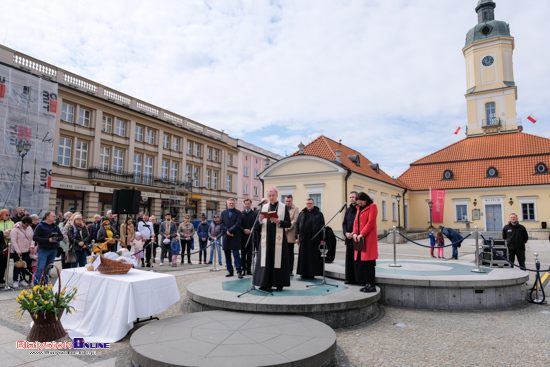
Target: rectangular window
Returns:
[[187, 173], [245, 170], [174, 172], [104, 158], [209, 154], [81, 155], [245, 189], [208, 179], [118, 160], [196, 173], [64, 153], [175, 144], [139, 133], [84, 117], [528, 210], [137, 168], [164, 170], [189, 148], [120, 128], [214, 180], [255, 173], [394, 211], [107, 124], [462, 213], [228, 183], [317, 199], [166, 141], [150, 136], [384, 210], [197, 150], [255, 190], [148, 172], [229, 160], [67, 112], [216, 155]]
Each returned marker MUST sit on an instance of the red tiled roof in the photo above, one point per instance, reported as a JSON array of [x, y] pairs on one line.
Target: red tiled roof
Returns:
[[514, 156], [326, 148]]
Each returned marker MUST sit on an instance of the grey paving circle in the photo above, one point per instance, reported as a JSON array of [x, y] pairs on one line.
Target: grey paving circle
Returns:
[[337, 306], [222, 338]]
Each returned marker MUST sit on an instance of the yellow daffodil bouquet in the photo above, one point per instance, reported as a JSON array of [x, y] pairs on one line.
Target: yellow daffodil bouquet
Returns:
[[41, 298]]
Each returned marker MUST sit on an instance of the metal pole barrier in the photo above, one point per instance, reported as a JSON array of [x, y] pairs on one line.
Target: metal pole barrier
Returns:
[[215, 261], [7, 273], [394, 265], [478, 269], [537, 264]]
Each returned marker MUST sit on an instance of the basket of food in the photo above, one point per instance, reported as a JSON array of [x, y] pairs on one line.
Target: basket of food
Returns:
[[119, 262]]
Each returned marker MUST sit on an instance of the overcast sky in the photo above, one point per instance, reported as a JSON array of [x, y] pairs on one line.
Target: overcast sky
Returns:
[[385, 76]]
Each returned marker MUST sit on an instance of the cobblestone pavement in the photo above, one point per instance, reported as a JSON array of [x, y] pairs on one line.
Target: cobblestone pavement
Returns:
[[397, 337]]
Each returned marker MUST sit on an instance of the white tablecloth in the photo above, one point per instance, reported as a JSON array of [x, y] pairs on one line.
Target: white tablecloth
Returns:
[[108, 305]]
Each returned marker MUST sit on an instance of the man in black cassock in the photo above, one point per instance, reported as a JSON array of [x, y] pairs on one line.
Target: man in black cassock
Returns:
[[272, 268], [310, 221], [347, 229]]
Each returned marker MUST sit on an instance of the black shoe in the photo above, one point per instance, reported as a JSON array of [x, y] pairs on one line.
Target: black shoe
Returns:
[[249, 273], [240, 276], [267, 289], [346, 282], [210, 262], [370, 289], [229, 275], [291, 274], [279, 289]]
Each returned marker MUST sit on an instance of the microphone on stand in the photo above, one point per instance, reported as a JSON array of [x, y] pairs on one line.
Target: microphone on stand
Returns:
[[343, 207], [262, 202]]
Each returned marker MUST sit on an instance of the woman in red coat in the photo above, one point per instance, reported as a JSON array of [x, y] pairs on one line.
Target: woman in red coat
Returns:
[[365, 227]]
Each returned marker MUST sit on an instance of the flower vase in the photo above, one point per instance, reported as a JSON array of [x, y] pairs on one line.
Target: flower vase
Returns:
[[45, 327]]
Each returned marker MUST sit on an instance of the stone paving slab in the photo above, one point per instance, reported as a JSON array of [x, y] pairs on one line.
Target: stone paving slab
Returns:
[[222, 338]]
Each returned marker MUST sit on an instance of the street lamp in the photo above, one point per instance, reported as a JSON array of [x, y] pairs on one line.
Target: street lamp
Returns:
[[398, 198], [22, 148], [431, 204]]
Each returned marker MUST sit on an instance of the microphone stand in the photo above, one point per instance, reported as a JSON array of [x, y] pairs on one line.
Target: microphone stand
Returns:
[[254, 258], [323, 249]]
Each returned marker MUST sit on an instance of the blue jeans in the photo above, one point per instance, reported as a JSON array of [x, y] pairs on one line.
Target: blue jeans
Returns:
[[80, 259], [216, 244], [236, 256], [455, 251], [45, 257]]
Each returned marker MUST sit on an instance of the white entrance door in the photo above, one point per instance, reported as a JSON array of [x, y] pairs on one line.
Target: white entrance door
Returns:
[[493, 217]]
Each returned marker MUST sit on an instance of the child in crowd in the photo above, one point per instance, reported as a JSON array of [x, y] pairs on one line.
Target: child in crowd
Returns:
[[440, 242], [176, 248], [137, 243], [432, 241], [34, 256]]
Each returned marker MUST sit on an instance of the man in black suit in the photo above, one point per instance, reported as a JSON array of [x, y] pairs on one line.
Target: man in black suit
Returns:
[[230, 221], [248, 219]]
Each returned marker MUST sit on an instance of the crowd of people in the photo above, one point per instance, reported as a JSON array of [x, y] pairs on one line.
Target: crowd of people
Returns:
[[268, 233]]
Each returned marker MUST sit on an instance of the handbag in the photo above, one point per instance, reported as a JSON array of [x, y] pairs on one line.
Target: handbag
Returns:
[[71, 256], [20, 264], [360, 245]]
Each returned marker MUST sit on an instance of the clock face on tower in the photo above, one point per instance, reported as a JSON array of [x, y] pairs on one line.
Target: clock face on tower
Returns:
[[487, 61]]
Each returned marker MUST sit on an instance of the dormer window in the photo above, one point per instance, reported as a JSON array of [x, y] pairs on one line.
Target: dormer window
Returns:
[[355, 159], [492, 172], [447, 175], [541, 169]]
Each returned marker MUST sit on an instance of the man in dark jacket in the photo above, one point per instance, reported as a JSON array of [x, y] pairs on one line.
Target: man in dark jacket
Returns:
[[230, 221], [456, 240], [516, 236], [46, 236], [310, 221], [202, 233], [247, 245], [347, 229], [18, 216], [96, 225]]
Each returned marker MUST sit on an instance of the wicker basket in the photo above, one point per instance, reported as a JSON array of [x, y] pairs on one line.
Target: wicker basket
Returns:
[[45, 327], [112, 267]]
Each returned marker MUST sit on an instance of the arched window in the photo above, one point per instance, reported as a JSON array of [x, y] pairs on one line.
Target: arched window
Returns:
[[541, 169], [492, 172], [447, 175]]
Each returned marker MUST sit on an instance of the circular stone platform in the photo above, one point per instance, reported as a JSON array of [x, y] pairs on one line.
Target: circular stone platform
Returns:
[[221, 338], [340, 306], [444, 285]]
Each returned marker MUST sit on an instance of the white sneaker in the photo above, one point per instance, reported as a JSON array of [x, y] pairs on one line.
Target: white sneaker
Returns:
[[24, 283], [161, 264], [15, 284]]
